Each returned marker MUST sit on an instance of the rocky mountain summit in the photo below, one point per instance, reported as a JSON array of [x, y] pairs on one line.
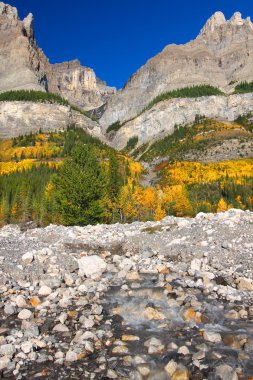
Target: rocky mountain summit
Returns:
[[156, 300], [78, 84], [221, 55], [23, 65]]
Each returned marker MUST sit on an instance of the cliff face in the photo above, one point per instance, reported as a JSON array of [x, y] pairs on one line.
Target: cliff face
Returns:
[[23, 65], [78, 84], [160, 120], [222, 55], [19, 118]]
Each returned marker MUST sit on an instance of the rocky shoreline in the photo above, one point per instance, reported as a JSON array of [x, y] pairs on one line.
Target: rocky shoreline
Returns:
[[155, 300]]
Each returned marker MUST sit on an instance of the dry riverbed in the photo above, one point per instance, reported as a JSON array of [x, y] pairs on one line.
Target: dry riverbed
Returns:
[[157, 300]]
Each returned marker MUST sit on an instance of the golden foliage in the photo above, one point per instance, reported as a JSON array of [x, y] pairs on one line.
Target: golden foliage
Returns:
[[195, 172]]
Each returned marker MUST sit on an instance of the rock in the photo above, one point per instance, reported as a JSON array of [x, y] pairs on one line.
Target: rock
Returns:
[[181, 373], [24, 66], [196, 265], [26, 347], [212, 337], [133, 276], [144, 370], [20, 301], [63, 317], [153, 314], [68, 279], [91, 266], [60, 328], [28, 117], [44, 291], [71, 356], [248, 347], [154, 345], [226, 372], [111, 374], [4, 362], [30, 329], [245, 284], [59, 355], [171, 367], [120, 350], [232, 341], [129, 338], [192, 315], [194, 63], [7, 350], [183, 350], [25, 314], [9, 309], [34, 301], [28, 258]]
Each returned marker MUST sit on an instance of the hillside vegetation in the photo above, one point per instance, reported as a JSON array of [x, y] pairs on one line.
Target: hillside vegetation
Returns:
[[197, 140], [243, 88], [71, 178], [186, 92], [31, 167]]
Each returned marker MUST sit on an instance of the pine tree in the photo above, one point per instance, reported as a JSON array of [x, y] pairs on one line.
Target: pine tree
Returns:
[[114, 180], [80, 188]]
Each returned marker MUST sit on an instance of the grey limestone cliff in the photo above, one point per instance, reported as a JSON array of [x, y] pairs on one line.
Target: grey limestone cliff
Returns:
[[221, 55], [23, 65]]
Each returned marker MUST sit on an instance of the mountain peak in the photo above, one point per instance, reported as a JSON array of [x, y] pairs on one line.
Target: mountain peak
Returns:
[[218, 20], [236, 19], [9, 11], [215, 21]]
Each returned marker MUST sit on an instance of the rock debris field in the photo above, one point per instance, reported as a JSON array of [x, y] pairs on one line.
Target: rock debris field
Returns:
[[156, 300]]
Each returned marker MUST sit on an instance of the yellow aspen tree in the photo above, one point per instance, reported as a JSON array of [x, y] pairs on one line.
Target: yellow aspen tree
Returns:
[[222, 205]]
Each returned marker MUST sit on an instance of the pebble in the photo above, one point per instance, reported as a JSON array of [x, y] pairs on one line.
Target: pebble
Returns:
[[45, 291], [25, 314], [28, 258], [212, 337], [226, 372]]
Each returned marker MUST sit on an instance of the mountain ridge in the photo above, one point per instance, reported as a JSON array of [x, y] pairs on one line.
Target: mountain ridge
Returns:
[[23, 65], [221, 56]]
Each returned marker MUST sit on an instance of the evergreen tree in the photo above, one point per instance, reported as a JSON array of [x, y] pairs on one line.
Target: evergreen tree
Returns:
[[80, 188], [115, 180]]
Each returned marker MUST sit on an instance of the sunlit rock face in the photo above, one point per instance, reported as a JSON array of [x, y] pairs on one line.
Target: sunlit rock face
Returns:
[[221, 55], [23, 65], [161, 119], [19, 118], [78, 84]]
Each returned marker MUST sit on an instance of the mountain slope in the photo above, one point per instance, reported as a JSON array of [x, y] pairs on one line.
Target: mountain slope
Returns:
[[222, 55], [161, 119], [23, 65]]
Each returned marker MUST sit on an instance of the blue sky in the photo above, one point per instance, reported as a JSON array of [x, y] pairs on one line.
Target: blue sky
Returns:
[[116, 37]]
